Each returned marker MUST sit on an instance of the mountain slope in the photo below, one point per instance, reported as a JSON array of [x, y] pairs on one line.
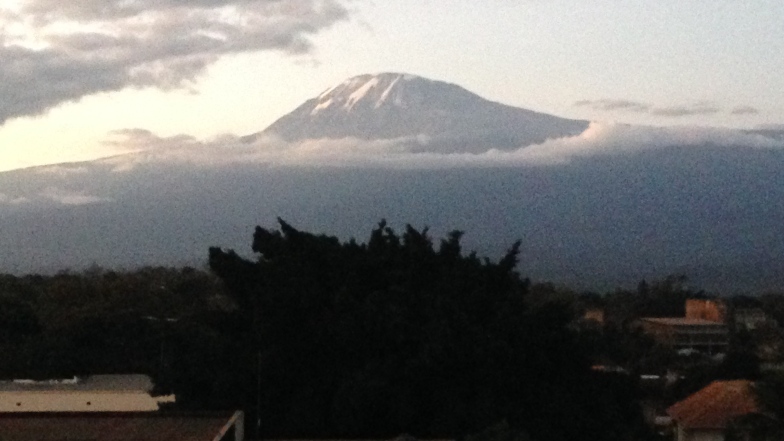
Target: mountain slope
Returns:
[[711, 213], [434, 115]]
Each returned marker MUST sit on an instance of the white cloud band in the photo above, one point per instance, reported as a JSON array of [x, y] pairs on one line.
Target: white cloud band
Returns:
[[418, 152]]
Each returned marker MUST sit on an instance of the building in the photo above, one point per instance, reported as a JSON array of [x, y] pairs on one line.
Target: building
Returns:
[[711, 412], [687, 333], [97, 393], [121, 426], [712, 310], [594, 315], [704, 327]]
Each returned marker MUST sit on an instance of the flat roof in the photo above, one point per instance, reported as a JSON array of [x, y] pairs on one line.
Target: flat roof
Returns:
[[93, 383], [115, 426], [682, 321]]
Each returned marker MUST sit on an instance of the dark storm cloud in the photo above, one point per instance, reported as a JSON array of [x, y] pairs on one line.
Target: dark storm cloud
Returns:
[[607, 104], [613, 105], [686, 110], [82, 47], [745, 110]]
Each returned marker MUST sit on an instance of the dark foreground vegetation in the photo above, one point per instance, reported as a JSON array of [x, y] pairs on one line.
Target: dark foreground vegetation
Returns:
[[318, 338]]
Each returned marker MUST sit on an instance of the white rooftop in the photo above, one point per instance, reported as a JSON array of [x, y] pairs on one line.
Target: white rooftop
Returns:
[[93, 383]]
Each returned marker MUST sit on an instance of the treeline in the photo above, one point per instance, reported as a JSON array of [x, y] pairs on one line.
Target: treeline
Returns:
[[320, 338], [98, 321]]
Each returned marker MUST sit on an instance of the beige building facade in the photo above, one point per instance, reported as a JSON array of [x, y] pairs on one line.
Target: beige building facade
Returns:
[[98, 393]]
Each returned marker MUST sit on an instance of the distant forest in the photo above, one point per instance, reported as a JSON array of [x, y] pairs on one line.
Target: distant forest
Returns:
[[318, 338]]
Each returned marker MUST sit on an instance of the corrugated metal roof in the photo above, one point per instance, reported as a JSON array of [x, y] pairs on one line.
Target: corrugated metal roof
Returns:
[[153, 426], [714, 406], [93, 383]]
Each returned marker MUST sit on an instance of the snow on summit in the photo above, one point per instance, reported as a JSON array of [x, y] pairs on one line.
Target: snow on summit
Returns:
[[361, 92], [376, 88], [386, 93]]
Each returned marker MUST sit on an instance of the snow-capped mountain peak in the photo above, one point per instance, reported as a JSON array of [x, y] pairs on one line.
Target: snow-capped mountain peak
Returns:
[[377, 89], [397, 105]]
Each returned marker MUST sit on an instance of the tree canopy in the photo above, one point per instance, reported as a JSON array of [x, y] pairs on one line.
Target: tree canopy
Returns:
[[400, 335]]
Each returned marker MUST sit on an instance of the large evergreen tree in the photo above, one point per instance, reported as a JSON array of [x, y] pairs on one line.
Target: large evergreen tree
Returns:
[[398, 335]]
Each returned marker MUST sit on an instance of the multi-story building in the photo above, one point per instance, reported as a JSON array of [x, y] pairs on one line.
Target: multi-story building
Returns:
[[713, 310], [688, 333]]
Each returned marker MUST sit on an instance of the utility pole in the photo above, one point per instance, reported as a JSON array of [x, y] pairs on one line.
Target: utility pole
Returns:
[[258, 393]]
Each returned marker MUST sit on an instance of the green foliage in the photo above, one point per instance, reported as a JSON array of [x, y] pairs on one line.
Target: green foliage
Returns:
[[17, 319], [739, 364], [773, 304], [769, 424], [98, 321]]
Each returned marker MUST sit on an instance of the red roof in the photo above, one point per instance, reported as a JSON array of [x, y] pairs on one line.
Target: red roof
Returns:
[[714, 406], [137, 426]]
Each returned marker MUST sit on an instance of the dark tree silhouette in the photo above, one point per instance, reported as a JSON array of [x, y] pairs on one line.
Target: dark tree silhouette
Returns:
[[400, 336]]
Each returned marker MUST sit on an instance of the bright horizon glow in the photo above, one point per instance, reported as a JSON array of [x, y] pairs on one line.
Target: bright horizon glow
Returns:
[[664, 63]]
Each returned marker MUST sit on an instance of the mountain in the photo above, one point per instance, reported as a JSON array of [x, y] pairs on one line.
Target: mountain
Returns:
[[595, 210], [431, 115]]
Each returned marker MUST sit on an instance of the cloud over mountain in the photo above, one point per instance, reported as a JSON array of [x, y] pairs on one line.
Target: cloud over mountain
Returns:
[[412, 152], [10, 200], [672, 111], [57, 51]]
